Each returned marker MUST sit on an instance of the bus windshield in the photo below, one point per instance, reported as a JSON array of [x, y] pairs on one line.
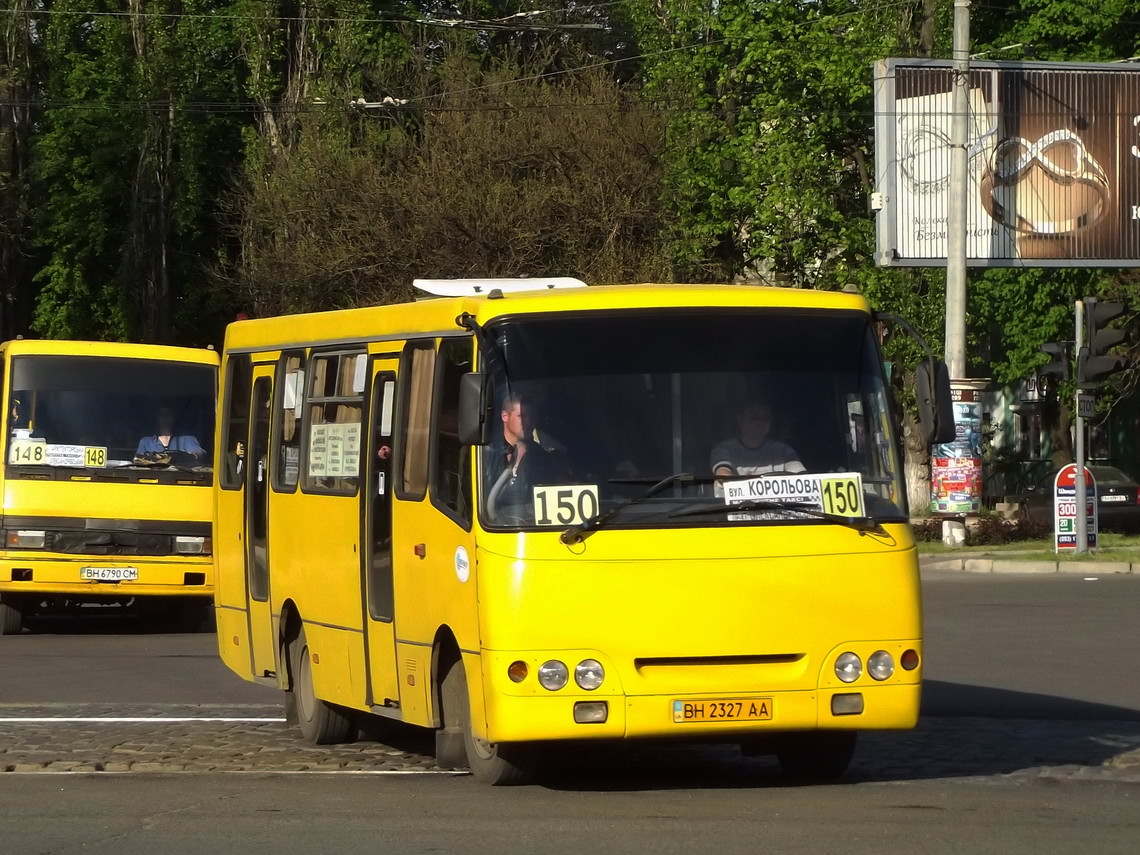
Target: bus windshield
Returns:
[[738, 408], [145, 420]]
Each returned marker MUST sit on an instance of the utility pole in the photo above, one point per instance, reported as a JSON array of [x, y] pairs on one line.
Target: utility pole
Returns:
[[956, 224], [956, 219], [1082, 521]]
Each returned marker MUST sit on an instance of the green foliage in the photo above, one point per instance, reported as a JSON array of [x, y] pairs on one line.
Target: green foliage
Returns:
[[766, 156], [563, 179], [129, 171], [731, 143]]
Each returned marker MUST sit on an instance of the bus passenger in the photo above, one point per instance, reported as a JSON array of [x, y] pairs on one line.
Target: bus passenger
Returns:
[[752, 451], [17, 420]]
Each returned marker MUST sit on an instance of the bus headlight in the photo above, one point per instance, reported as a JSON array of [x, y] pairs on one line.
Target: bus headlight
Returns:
[[848, 667], [26, 539], [191, 545], [589, 674], [553, 675], [880, 665]]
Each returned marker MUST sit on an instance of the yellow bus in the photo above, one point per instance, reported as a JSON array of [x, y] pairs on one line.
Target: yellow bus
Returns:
[[106, 478], [497, 513]]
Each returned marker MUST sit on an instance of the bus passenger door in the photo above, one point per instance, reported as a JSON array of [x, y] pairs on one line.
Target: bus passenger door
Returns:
[[376, 535], [261, 637]]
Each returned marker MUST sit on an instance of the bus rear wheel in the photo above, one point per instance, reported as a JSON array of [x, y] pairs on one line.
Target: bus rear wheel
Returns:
[[320, 722], [498, 764], [11, 618], [817, 755]]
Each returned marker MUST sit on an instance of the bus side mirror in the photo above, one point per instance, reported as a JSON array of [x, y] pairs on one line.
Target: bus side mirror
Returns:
[[935, 410], [474, 426]]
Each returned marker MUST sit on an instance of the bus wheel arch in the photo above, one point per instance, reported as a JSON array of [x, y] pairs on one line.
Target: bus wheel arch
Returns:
[[320, 722], [289, 625], [450, 751], [502, 764]]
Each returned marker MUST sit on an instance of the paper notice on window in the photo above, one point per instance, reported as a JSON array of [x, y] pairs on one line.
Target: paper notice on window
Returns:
[[351, 449], [319, 451], [292, 463], [335, 450]]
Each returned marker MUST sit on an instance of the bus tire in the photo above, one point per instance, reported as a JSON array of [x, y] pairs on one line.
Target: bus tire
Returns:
[[500, 765], [11, 618], [817, 755], [320, 722], [202, 617]]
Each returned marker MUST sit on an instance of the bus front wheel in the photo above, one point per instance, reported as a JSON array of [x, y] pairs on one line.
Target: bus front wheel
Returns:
[[502, 764], [320, 722], [817, 754], [11, 618]]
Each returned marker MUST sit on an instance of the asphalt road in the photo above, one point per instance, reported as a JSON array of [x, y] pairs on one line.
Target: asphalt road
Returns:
[[1029, 744], [1043, 647], [1036, 647], [143, 815]]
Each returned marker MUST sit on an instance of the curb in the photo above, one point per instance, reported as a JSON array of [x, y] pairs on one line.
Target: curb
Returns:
[[1000, 565]]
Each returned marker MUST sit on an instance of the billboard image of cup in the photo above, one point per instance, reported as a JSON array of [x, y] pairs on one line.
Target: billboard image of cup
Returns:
[[1053, 163]]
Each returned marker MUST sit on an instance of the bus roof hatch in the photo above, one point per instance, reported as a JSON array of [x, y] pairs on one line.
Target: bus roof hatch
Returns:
[[477, 287]]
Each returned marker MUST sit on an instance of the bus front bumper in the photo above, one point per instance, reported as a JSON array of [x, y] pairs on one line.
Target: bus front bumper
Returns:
[[106, 575], [727, 717]]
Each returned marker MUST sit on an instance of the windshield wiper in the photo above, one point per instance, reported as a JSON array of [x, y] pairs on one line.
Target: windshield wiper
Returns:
[[577, 533], [858, 523]]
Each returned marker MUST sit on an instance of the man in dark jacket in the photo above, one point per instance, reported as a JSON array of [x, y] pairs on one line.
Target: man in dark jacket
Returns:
[[517, 464]]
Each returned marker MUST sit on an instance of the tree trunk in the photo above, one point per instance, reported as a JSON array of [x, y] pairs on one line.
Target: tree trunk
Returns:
[[916, 466], [16, 84], [1061, 435], [926, 30]]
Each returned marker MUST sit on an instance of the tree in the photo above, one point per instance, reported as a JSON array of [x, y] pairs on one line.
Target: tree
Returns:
[[19, 69], [768, 111], [486, 172], [129, 169]]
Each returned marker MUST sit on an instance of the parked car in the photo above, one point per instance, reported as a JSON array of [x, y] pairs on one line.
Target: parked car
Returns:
[[1117, 499]]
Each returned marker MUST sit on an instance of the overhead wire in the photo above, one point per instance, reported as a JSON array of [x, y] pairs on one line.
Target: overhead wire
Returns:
[[426, 102]]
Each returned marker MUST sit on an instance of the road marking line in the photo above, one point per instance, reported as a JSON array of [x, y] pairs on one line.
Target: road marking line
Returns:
[[262, 772], [125, 719], [342, 772]]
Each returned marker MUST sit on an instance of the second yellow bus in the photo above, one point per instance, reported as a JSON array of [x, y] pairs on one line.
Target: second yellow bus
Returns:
[[97, 508]]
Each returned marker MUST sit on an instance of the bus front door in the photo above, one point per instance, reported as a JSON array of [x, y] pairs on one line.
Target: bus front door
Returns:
[[376, 535], [262, 643]]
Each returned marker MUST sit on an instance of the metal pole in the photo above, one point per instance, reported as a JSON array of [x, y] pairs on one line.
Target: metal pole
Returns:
[[956, 223], [1082, 522]]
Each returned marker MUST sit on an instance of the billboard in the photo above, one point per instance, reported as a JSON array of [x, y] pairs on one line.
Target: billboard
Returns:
[[1053, 163]]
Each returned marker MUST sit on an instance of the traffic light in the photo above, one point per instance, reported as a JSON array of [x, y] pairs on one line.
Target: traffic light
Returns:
[[1093, 364], [1058, 365]]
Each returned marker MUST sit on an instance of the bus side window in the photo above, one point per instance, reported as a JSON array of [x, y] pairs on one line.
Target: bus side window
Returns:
[[451, 467], [417, 372], [239, 373], [335, 402], [287, 440]]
